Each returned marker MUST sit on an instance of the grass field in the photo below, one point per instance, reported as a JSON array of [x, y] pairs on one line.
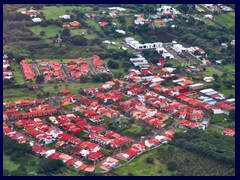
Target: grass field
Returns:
[[229, 68], [214, 129], [211, 70], [90, 35], [226, 19], [188, 164], [8, 164], [93, 24], [53, 12], [16, 94], [17, 74], [218, 119], [135, 129], [73, 88], [139, 167], [50, 31]]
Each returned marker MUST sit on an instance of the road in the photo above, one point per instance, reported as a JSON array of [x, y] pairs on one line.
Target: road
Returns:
[[35, 67]]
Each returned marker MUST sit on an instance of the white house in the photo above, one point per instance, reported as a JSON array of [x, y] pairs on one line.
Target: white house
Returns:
[[120, 31], [167, 55], [66, 16], [208, 16], [37, 20]]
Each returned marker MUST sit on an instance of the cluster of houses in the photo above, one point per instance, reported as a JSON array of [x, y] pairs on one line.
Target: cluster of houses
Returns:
[[219, 8], [34, 14], [27, 70], [74, 69], [136, 45], [99, 65], [78, 68], [164, 14], [51, 70], [115, 11], [7, 72], [71, 24]]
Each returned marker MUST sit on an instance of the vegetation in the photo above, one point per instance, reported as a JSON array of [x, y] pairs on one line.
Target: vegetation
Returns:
[[212, 145]]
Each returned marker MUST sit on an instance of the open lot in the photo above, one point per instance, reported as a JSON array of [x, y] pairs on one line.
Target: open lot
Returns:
[[139, 167], [53, 12]]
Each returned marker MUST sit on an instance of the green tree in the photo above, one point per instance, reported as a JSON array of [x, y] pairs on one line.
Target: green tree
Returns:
[[49, 165], [113, 65], [172, 165], [79, 40], [39, 79]]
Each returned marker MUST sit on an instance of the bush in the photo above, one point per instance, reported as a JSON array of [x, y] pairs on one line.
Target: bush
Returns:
[[172, 166], [150, 160], [113, 65]]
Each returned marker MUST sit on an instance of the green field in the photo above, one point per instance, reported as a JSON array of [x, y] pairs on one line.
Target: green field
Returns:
[[218, 119], [214, 129], [226, 19], [50, 31], [211, 70], [188, 164], [90, 35], [139, 167], [53, 12], [93, 24], [229, 68], [73, 88], [17, 94], [8, 164], [17, 73]]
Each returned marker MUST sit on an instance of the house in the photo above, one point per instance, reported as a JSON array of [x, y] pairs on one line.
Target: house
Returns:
[[120, 31], [64, 91], [36, 20], [103, 24], [75, 24], [66, 16], [225, 107], [229, 132], [109, 163], [95, 156], [208, 16], [152, 143]]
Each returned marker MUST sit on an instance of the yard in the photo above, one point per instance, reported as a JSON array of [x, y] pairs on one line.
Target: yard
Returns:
[[53, 12], [16, 94], [88, 34], [73, 88], [17, 73], [218, 119], [8, 164], [211, 70], [225, 19], [50, 31], [188, 164], [229, 68], [139, 167]]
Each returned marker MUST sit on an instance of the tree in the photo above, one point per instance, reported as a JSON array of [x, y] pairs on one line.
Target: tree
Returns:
[[150, 160], [172, 165], [113, 65], [42, 33], [39, 79], [224, 75], [215, 76], [9, 68], [6, 172], [65, 33], [49, 165], [55, 87], [79, 40]]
